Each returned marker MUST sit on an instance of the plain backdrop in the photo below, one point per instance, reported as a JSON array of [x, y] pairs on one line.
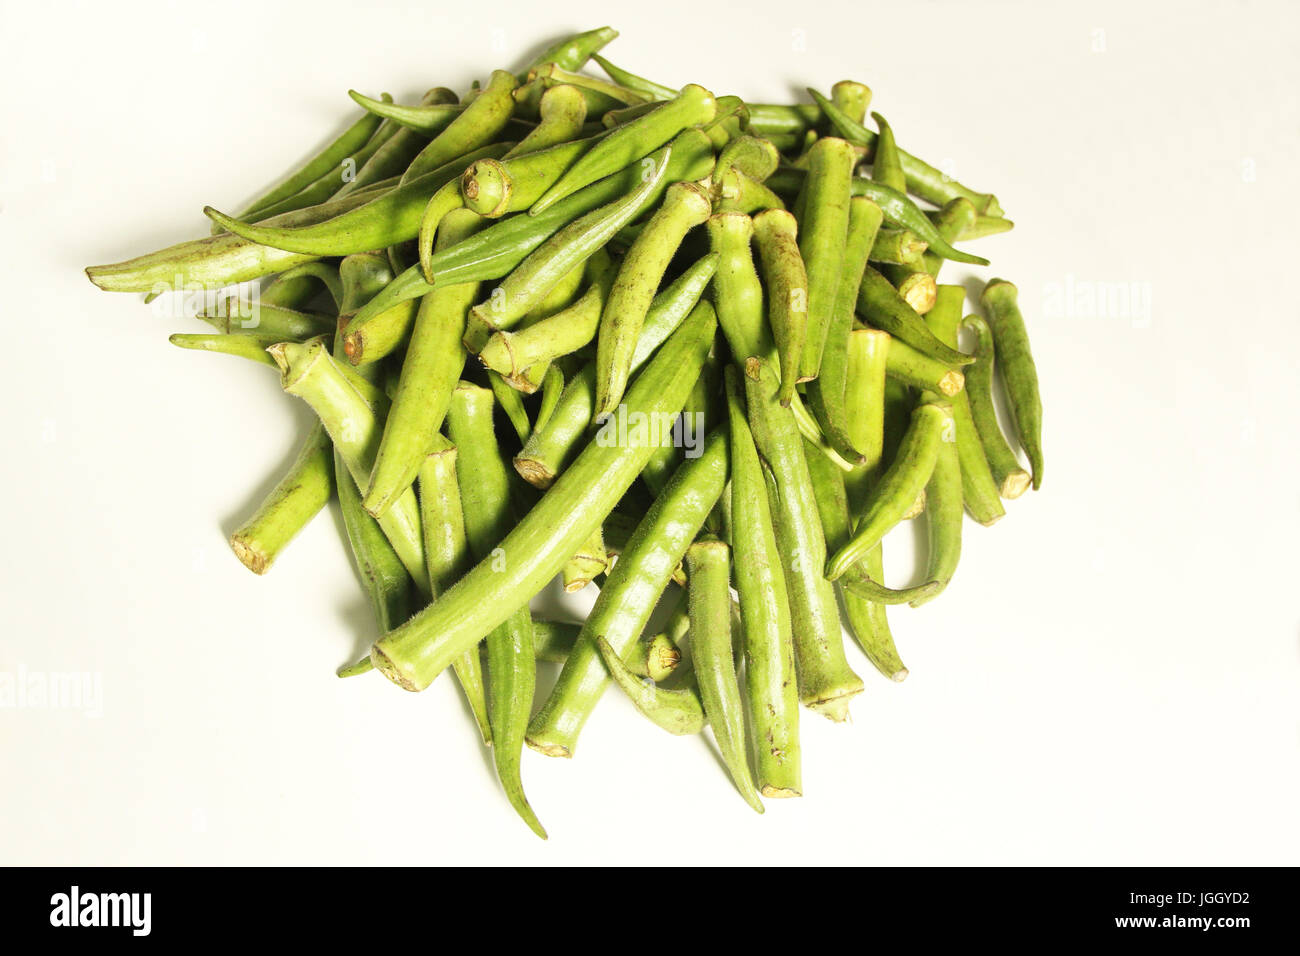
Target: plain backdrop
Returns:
[[1110, 679]]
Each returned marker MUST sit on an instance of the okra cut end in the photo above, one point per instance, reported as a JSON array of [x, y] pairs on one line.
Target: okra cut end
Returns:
[[386, 666], [535, 473], [550, 749], [249, 555], [1014, 485], [779, 793], [836, 706]]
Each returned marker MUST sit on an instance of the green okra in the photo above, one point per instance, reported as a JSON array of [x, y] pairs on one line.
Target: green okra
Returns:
[[918, 370], [484, 482], [1012, 479], [304, 278], [823, 228], [431, 368], [270, 321], [852, 98], [899, 486], [630, 591], [599, 94], [512, 403], [771, 686], [393, 156], [754, 157], [569, 247], [572, 52], [447, 556], [550, 448], [738, 193], [737, 290], [628, 143], [881, 306], [561, 112], [552, 389], [305, 489], [428, 119], [477, 125], [414, 654], [708, 565], [391, 218], [827, 392], [252, 347], [655, 91], [676, 710], [979, 489], [898, 247], [495, 187], [382, 573], [826, 682], [943, 515], [587, 562], [352, 411], [1015, 364], [886, 164], [684, 207], [950, 221], [776, 236]]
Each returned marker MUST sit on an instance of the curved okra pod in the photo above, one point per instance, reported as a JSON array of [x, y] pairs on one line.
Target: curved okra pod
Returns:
[[495, 251], [353, 139], [251, 347], [771, 686], [905, 364], [923, 180], [653, 90], [708, 565], [738, 193], [352, 411], [899, 486], [493, 188], [428, 119], [886, 164], [304, 490], [512, 403], [550, 447], [269, 320], [391, 218], [447, 556], [304, 276], [568, 248], [596, 92], [943, 515], [685, 206], [826, 682], [382, 574], [552, 389], [587, 562], [573, 52], [1016, 366], [393, 156], [561, 115], [632, 588], [535, 550], [823, 228], [738, 293], [484, 483], [677, 710], [881, 306], [826, 393], [1012, 480], [433, 364], [950, 221], [477, 125], [626, 144], [512, 353], [776, 235], [979, 490]]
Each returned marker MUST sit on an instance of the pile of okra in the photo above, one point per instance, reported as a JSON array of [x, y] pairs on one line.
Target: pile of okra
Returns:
[[681, 348]]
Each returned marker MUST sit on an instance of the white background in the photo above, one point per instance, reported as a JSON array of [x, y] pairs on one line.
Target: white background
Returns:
[[1111, 677]]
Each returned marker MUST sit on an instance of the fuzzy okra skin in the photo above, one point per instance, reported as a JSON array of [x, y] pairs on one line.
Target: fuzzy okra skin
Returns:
[[771, 685], [677, 710], [304, 490], [484, 481], [535, 550], [1012, 480], [823, 228], [352, 411], [899, 486], [826, 682], [708, 564], [447, 556], [431, 368], [478, 124], [1016, 366], [572, 52], [776, 236], [385, 579], [881, 306], [684, 207], [629, 594]]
